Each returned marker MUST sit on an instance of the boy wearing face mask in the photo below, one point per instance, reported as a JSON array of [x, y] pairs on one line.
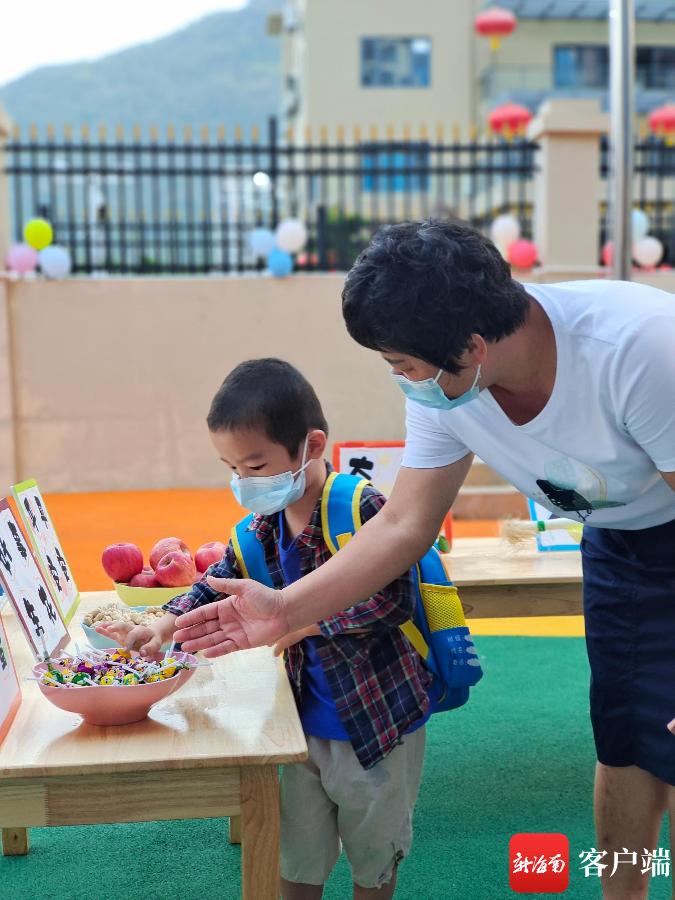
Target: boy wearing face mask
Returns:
[[360, 687]]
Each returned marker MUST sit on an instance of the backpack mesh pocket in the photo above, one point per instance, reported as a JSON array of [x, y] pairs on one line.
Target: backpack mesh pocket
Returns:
[[442, 606]]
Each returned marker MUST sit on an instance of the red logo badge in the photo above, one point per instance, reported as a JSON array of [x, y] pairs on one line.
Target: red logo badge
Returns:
[[539, 863]]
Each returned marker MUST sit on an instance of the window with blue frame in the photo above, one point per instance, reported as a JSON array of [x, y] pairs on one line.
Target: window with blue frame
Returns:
[[655, 68], [397, 62], [395, 167], [580, 66], [587, 66]]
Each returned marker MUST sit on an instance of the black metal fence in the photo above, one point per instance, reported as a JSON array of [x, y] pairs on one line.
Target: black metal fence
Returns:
[[653, 191], [187, 204]]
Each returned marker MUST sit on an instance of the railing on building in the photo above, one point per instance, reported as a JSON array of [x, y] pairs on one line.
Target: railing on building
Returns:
[[183, 204], [653, 190]]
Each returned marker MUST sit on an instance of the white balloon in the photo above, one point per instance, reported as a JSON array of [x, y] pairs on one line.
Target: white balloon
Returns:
[[648, 251], [55, 261], [505, 230], [291, 235], [261, 241], [639, 224]]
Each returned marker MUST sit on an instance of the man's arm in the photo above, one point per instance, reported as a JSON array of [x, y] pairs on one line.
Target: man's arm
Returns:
[[389, 607], [669, 478], [383, 550]]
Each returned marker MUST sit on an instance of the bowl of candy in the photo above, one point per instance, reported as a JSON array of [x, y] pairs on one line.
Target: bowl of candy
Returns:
[[116, 612], [112, 687]]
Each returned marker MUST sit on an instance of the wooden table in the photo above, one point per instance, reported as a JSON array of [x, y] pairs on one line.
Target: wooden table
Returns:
[[495, 580], [211, 750]]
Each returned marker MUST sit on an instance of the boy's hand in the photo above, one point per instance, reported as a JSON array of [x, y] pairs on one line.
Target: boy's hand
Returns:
[[142, 638], [289, 639], [252, 616], [312, 631]]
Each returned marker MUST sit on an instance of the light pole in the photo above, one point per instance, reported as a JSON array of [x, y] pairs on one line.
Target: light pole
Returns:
[[621, 85]]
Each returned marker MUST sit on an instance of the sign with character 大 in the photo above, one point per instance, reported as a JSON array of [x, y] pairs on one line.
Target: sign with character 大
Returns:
[[377, 461]]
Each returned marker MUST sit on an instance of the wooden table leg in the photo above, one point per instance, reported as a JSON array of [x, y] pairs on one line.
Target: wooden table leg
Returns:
[[260, 831], [14, 841], [235, 829]]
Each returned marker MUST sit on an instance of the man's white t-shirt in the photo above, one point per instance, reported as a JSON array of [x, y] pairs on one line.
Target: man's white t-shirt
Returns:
[[594, 451]]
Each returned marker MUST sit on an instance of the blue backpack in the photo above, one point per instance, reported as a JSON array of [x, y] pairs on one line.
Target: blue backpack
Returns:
[[437, 631]]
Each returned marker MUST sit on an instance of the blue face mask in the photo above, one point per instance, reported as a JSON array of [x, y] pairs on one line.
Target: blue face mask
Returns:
[[269, 494], [429, 393]]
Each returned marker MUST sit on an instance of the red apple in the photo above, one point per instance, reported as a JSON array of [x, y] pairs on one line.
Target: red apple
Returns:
[[144, 579], [122, 561], [199, 577], [208, 554], [175, 569], [166, 545]]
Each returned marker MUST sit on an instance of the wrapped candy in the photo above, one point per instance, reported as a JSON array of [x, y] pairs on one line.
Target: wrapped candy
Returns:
[[115, 668]]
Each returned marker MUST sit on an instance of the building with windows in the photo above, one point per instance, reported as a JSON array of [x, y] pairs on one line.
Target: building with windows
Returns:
[[378, 65]]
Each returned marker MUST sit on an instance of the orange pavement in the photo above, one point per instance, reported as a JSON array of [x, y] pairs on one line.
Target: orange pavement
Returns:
[[87, 523]]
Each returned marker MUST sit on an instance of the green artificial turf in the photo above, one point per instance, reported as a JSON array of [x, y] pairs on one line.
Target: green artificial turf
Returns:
[[518, 757]]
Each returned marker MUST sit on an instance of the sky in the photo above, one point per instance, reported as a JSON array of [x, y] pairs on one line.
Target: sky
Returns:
[[75, 30]]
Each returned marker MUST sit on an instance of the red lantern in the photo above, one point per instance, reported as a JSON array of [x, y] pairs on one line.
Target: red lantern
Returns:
[[523, 254], [495, 23], [510, 119], [662, 121]]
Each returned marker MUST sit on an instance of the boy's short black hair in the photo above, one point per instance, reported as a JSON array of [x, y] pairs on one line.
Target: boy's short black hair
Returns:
[[271, 395], [423, 288]]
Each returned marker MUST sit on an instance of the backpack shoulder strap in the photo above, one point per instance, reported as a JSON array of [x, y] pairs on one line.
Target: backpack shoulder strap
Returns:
[[249, 552], [341, 519], [341, 508]]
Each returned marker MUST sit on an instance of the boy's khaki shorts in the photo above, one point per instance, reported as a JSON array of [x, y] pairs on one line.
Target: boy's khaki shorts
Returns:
[[331, 800]]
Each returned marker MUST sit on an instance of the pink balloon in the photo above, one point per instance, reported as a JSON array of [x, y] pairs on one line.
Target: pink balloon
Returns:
[[22, 258], [522, 254], [608, 253]]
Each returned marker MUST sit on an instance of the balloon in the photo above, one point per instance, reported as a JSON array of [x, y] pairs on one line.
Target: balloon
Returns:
[[38, 233], [523, 254], [22, 258], [280, 263], [505, 230], [647, 252], [607, 254], [639, 224], [308, 259], [55, 261], [291, 235], [261, 241]]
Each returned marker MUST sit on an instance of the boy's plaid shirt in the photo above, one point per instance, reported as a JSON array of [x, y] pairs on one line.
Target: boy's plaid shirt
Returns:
[[378, 681]]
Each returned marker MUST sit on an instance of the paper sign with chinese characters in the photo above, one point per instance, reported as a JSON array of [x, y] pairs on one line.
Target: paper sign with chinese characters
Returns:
[[28, 592], [46, 546], [378, 461], [10, 690]]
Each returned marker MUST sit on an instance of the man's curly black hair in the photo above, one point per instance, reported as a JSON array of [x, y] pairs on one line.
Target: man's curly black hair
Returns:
[[423, 288]]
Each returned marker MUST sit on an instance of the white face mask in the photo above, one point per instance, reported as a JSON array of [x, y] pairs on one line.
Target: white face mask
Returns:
[[428, 392], [269, 494]]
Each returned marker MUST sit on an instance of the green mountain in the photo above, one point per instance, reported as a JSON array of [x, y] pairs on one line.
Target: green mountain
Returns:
[[222, 68]]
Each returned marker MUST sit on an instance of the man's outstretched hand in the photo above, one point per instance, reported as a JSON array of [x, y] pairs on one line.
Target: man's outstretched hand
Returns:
[[251, 616]]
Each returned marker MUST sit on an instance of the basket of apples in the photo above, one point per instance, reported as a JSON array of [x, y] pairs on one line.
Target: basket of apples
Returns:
[[172, 569]]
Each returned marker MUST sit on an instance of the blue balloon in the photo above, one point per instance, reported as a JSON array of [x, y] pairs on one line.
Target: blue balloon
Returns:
[[261, 241], [280, 263]]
